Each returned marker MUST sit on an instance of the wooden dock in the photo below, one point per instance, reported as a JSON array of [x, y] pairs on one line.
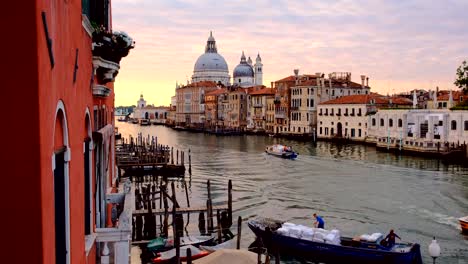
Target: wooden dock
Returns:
[[181, 210], [141, 156]]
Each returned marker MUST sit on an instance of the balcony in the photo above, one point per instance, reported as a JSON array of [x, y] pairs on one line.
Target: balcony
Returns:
[[114, 242], [101, 90], [280, 115], [338, 114], [258, 105], [352, 114], [108, 49], [320, 114], [346, 114]]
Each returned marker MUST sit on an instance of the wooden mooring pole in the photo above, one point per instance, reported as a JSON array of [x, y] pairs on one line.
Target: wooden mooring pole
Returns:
[[189, 162], [239, 231]]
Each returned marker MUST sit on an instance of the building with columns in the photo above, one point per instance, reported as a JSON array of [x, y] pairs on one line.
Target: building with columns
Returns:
[[418, 129]]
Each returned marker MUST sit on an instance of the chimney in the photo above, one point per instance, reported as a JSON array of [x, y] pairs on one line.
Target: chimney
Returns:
[[363, 80], [367, 81], [296, 73]]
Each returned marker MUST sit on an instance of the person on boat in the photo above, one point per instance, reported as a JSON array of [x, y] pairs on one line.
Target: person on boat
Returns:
[[319, 223], [225, 225], [390, 238]]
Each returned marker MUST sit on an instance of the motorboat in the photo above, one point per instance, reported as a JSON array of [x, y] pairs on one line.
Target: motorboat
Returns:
[[464, 224], [319, 245], [145, 122], [282, 151]]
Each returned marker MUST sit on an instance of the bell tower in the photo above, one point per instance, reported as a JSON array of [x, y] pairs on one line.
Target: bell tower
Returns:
[[258, 71]]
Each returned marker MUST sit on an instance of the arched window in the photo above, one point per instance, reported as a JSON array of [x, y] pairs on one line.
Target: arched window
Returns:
[[382, 123], [454, 125], [390, 122], [400, 122]]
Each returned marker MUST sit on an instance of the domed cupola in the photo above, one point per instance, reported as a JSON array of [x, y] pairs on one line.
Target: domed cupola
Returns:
[[243, 69], [243, 74], [211, 66]]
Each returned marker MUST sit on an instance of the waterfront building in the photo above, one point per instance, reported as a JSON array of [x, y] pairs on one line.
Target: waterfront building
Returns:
[[190, 109], [297, 98], [347, 116], [257, 107], [418, 129], [236, 109], [212, 109], [154, 113], [66, 169], [270, 114], [171, 116], [123, 110]]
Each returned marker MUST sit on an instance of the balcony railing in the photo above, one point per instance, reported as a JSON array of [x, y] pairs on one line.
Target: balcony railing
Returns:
[[101, 90], [258, 105], [114, 242], [280, 115]]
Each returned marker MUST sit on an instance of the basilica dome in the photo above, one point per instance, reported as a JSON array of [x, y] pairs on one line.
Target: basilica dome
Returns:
[[210, 62], [211, 66]]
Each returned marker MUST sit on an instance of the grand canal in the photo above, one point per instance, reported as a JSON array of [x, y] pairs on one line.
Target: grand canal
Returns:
[[356, 188]]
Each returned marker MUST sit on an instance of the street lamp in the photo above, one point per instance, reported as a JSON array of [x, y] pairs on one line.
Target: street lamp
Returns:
[[434, 249]]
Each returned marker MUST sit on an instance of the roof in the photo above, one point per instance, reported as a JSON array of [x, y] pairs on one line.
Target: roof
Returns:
[[200, 84], [292, 78], [444, 95], [216, 92], [366, 99], [264, 91]]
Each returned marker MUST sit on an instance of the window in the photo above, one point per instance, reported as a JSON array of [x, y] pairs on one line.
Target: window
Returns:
[[311, 102], [454, 125], [353, 132], [466, 125], [400, 122], [359, 132], [320, 130], [382, 123], [390, 122]]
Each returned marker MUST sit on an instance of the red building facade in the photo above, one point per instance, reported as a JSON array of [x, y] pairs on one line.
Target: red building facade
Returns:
[[61, 70]]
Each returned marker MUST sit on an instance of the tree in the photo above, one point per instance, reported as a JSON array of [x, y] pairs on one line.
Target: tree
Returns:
[[462, 77]]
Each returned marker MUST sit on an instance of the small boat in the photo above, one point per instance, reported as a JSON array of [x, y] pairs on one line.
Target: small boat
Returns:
[[229, 244], [464, 224], [122, 119], [332, 250], [281, 151], [145, 122], [167, 256], [160, 243]]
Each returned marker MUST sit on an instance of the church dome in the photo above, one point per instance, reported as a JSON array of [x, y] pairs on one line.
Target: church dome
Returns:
[[243, 69], [210, 61]]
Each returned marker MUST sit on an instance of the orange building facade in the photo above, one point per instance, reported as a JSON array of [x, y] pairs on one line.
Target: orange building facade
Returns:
[[63, 70]]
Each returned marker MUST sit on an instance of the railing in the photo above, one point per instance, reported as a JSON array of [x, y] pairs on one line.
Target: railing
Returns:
[[280, 114], [113, 243], [257, 105]]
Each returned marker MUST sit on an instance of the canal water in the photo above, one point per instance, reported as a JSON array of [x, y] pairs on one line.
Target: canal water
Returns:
[[356, 188]]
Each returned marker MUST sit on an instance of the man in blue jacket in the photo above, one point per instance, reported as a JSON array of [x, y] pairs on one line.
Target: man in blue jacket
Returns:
[[319, 223]]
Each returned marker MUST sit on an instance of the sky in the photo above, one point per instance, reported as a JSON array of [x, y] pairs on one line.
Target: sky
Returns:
[[400, 45]]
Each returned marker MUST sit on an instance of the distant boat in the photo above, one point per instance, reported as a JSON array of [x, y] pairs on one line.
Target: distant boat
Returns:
[[145, 122], [332, 248], [464, 224], [122, 119], [281, 151]]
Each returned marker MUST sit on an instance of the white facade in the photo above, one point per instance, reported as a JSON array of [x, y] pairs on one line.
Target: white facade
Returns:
[[303, 118], [343, 121], [418, 126]]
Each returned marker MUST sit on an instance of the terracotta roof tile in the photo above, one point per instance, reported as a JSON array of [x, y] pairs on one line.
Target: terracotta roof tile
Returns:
[[264, 91], [216, 92], [366, 98]]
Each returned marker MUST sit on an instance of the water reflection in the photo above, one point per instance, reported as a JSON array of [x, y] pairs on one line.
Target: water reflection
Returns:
[[355, 187]]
